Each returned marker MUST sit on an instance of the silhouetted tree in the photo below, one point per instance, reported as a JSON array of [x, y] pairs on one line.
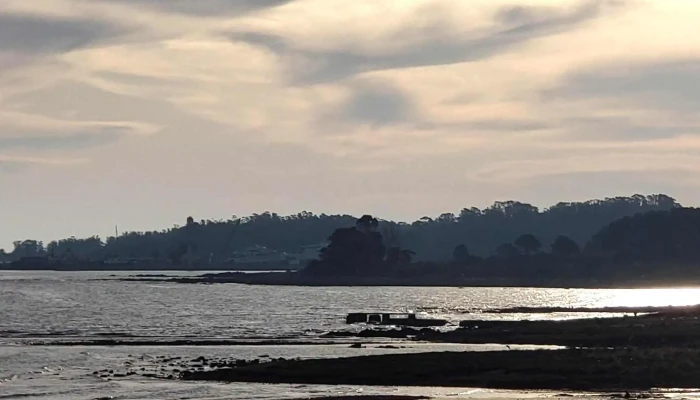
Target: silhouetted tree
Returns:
[[357, 251], [528, 244], [28, 248], [177, 254], [659, 235], [398, 257], [564, 247], [367, 223], [460, 255], [391, 235], [506, 250], [88, 248], [433, 239]]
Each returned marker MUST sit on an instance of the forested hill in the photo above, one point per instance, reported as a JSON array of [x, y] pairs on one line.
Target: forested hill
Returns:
[[481, 230]]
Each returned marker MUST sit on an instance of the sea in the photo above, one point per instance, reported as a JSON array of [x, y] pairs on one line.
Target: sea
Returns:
[[41, 310]]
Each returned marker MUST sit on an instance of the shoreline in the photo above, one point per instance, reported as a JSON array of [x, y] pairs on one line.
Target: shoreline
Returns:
[[658, 350], [269, 277], [669, 326], [295, 279], [586, 370]]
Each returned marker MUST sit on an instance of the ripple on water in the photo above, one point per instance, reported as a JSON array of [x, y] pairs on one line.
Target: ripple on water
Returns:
[[73, 305]]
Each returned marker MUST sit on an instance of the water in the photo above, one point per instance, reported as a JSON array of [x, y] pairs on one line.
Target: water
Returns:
[[86, 306]]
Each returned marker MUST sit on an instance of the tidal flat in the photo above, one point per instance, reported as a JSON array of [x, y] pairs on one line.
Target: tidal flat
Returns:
[[656, 350]]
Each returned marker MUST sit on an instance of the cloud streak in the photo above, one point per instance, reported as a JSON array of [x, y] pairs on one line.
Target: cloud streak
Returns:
[[71, 141], [208, 7], [514, 26], [27, 34], [666, 84]]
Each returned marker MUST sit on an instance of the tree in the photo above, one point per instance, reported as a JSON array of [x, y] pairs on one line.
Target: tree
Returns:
[[434, 238], [398, 257], [367, 223], [528, 244], [563, 246], [357, 251], [658, 235], [460, 255], [506, 250], [28, 248], [391, 234]]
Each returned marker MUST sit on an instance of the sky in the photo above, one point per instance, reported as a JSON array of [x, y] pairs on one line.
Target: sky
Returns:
[[139, 113]]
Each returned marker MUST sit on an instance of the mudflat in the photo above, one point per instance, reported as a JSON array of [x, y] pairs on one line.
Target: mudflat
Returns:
[[657, 350], [591, 370]]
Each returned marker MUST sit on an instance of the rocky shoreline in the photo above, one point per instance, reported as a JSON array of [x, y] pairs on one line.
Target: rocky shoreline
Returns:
[[589, 370], [673, 326], [657, 350]]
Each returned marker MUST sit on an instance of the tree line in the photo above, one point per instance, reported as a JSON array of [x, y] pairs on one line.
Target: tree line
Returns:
[[492, 231], [657, 244]]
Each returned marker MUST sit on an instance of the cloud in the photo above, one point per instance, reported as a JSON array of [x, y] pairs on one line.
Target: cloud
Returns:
[[11, 167], [26, 34], [667, 84], [24, 133], [630, 128], [21, 163], [71, 141], [15, 165], [628, 101], [513, 27], [565, 164], [375, 104], [208, 7]]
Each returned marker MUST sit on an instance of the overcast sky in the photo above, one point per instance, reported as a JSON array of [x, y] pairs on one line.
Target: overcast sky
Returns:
[[142, 112]]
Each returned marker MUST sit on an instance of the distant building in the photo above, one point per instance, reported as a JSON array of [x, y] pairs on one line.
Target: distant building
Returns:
[[258, 255]]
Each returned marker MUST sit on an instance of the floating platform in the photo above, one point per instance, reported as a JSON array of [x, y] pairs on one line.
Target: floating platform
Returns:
[[399, 319]]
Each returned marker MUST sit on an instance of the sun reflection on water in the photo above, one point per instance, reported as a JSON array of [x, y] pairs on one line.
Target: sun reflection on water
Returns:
[[650, 297]]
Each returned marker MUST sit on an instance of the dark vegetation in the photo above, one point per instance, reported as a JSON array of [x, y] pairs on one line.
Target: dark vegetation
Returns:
[[506, 228], [655, 248]]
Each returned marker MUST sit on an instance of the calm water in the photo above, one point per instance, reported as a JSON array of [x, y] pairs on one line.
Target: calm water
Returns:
[[56, 306]]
